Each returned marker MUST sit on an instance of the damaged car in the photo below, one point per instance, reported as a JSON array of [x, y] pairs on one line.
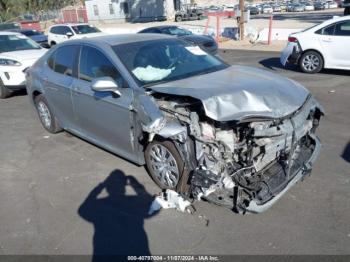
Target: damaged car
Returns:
[[236, 136]]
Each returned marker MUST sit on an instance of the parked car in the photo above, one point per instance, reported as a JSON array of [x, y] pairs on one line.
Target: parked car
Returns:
[[235, 135], [204, 41], [254, 10], [35, 35], [17, 54], [63, 32], [309, 7], [298, 8], [266, 9], [276, 8], [331, 5], [9, 26], [319, 47], [283, 7], [319, 6], [189, 12]]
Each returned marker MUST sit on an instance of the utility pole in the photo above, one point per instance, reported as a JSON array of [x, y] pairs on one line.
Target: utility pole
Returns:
[[241, 20]]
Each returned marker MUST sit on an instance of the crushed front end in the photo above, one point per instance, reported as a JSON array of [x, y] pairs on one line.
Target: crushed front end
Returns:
[[244, 165]]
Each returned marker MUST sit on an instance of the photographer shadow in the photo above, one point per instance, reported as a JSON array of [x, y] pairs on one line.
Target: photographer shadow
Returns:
[[118, 219]]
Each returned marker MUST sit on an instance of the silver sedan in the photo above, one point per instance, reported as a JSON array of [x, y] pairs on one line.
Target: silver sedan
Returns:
[[237, 136]]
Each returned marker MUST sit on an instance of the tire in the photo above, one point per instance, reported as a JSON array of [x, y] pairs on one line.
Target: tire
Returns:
[[311, 62], [178, 18], [4, 91], [156, 154], [46, 116]]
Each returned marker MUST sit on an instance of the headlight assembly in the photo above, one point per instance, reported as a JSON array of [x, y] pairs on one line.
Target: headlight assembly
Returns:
[[9, 62]]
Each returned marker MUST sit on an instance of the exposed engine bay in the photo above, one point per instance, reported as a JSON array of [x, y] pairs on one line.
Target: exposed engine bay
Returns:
[[244, 165]]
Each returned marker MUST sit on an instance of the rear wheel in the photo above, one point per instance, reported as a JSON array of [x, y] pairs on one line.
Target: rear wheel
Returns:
[[178, 18], [311, 62], [46, 116], [164, 163], [4, 91]]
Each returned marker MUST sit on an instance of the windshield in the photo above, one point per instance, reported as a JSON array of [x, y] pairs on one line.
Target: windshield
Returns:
[[31, 33], [10, 43], [85, 29], [177, 31], [157, 61]]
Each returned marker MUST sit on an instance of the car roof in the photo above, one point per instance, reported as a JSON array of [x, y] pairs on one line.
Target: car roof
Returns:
[[70, 24], [121, 39]]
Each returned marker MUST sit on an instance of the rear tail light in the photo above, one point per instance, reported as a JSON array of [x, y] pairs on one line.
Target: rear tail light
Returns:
[[292, 39]]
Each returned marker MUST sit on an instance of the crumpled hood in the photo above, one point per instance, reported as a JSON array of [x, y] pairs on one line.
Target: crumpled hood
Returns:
[[240, 92]]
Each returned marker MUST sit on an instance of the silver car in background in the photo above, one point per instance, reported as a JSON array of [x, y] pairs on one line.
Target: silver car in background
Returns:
[[236, 136]]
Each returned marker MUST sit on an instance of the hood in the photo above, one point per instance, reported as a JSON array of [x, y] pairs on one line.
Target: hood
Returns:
[[240, 92], [198, 39], [24, 55]]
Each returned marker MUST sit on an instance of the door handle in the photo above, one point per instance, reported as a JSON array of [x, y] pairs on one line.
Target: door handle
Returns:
[[327, 40]]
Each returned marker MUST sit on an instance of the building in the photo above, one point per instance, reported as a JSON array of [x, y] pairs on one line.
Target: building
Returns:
[[131, 10]]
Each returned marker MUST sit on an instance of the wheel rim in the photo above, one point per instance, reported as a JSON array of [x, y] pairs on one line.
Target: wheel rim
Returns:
[[164, 166], [311, 62], [44, 114]]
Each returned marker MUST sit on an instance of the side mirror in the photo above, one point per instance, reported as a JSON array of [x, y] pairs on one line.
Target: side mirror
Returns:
[[69, 34], [105, 84]]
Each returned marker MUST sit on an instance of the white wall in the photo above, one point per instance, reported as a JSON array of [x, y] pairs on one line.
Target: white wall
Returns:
[[103, 10]]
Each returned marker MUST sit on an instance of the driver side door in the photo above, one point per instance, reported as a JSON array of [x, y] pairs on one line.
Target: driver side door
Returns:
[[104, 118]]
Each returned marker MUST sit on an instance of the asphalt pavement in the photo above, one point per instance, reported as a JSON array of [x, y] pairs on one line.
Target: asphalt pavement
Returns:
[[62, 195]]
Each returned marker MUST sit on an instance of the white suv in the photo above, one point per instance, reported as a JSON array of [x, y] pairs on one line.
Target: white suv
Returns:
[[321, 46], [63, 32]]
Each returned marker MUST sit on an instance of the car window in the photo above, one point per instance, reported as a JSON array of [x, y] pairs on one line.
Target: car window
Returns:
[[151, 30], [342, 29], [65, 30], [85, 29], [94, 64], [64, 60], [329, 30]]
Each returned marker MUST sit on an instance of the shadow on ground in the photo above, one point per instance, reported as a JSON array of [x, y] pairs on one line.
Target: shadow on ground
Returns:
[[118, 219], [274, 63], [346, 153]]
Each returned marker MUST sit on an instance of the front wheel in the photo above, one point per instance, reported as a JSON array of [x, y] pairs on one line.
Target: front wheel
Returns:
[[164, 163], [311, 62], [178, 18], [46, 116]]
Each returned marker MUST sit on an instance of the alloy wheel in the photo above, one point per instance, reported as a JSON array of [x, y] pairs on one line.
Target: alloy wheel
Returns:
[[164, 166]]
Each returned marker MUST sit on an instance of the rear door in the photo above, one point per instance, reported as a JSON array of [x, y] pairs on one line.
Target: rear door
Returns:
[[58, 82], [334, 39], [103, 118]]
